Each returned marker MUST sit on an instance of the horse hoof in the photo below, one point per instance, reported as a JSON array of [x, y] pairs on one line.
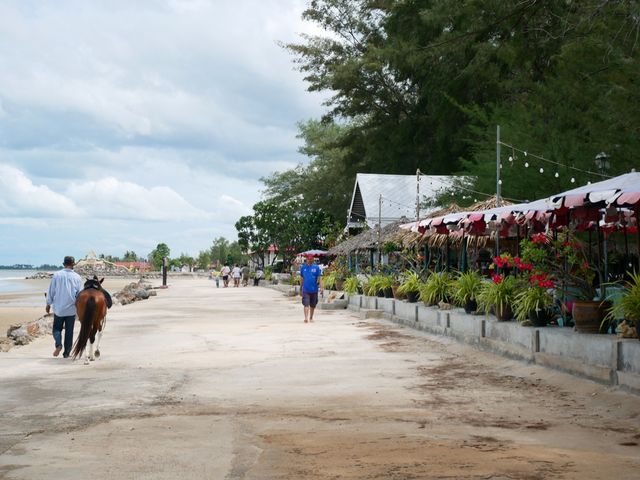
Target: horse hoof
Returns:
[[91, 359], [97, 354], [86, 362]]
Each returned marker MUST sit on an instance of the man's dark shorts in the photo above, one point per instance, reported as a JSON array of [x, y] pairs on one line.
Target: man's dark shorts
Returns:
[[310, 299]]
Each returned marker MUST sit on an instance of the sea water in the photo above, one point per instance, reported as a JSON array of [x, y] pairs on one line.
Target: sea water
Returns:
[[31, 291], [12, 281]]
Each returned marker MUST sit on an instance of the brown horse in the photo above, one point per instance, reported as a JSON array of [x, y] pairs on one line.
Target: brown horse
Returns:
[[91, 306]]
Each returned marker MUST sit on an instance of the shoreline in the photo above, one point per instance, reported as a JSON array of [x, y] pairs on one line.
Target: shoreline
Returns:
[[28, 305]]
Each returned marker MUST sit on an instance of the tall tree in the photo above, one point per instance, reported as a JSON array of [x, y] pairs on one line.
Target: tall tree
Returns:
[[219, 250], [130, 256], [326, 182], [204, 259], [422, 83], [157, 254], [289, 227]]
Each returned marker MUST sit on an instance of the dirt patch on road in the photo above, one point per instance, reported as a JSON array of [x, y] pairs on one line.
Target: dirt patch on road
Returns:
[[353, 455]]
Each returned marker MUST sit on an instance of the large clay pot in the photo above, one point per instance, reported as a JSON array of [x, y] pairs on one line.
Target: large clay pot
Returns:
[[588, 315], [388, 292]]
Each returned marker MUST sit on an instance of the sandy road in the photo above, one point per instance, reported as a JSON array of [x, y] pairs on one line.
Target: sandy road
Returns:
[[205, 383]]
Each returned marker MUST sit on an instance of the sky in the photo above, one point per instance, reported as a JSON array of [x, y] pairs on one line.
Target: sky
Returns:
[[127, 124]]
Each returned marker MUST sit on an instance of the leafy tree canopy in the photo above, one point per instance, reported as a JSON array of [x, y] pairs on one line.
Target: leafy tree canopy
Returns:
[[423, 83]]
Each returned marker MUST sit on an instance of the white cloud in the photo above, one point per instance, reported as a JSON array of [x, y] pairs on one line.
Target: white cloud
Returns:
[[112, 198], [19, 196], [149, 114]]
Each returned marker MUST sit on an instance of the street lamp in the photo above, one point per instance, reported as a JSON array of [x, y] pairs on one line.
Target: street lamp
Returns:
[[602, 162]]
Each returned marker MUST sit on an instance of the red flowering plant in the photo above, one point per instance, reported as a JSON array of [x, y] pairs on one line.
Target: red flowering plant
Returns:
[[536, 299], [560, 263]]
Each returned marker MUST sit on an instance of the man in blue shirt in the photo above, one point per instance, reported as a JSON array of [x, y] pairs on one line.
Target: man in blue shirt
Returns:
[[63, 290], [310, 283]]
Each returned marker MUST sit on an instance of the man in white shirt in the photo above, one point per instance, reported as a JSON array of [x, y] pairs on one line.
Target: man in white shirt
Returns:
[[225, 275], [63, 290], [237, 273]]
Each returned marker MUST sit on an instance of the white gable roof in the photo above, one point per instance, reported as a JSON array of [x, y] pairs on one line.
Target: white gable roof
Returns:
[[398, 196]]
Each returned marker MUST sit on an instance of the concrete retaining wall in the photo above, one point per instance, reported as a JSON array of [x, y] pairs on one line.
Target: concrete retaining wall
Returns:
[[387, 305], [603, 358]]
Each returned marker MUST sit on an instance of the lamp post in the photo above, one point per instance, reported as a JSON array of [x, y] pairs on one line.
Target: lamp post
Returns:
[[602, 162]]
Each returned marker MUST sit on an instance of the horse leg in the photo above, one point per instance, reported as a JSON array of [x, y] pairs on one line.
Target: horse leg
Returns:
[[99, 336], [92, 339]]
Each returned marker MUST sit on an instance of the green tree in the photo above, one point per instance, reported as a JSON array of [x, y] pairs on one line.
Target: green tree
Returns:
[[204, 259], [236, 254], [326, 182], [157, 254], [288, 226], [219, 250], [130, 256], [419, 83], [185, 260]]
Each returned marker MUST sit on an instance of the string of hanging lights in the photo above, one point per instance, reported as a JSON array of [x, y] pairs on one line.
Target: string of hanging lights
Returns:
[[512, 158]]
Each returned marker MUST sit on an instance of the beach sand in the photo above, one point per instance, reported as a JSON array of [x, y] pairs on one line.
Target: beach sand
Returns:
[[29, 305]]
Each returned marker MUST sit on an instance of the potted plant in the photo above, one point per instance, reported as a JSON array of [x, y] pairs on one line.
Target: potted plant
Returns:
[[534, 303], [340, 272], [370, 285], [351, 285], [410, 286], [498, 295], [465, 289], [565, 262], [329, 280], [386, 285], [436, 289], [628, 306]]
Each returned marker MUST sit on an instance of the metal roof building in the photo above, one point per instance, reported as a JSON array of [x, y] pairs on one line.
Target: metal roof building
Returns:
[[391, 197]]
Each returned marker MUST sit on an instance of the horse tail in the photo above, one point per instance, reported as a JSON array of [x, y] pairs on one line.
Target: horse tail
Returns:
[[86, 325]]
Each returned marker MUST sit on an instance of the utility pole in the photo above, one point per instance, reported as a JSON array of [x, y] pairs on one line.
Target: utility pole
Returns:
[[379, 231], [417, 198], [498, 184]]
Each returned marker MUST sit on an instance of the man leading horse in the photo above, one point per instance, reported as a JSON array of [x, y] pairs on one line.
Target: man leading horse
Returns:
[[67, 299]]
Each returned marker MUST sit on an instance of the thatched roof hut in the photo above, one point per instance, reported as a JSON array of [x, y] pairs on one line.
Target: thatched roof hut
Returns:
[[368, 240]]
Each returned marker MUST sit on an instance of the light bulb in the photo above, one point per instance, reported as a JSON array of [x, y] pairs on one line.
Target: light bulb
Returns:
[[541, 170], [557, 175], [573, 180], [525, 154], [499, 182], [526, 164]]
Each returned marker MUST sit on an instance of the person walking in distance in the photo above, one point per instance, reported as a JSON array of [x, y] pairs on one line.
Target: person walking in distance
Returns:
[[310, 284], [245, 275], [225, 275], [236, 273], [63, 290]]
